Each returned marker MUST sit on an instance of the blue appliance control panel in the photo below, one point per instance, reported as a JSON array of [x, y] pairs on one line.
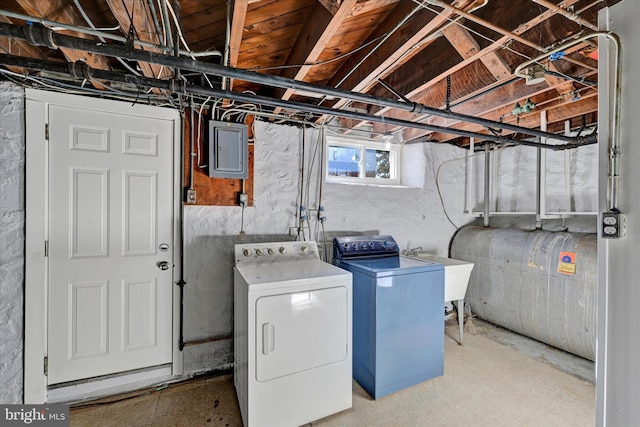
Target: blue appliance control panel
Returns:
[[364, 246]]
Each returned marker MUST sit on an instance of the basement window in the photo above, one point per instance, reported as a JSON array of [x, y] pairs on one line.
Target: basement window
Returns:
[[362, 161]]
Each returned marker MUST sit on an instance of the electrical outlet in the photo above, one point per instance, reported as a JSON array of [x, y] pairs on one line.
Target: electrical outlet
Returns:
[[243, 199], [191, 196], [613, 225]]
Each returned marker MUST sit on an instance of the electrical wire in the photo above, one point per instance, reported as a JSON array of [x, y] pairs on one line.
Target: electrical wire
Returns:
[[178, 27], [102, 39], [327, 61], [199, 138], [426, 6], [21, 79], [444, 209]]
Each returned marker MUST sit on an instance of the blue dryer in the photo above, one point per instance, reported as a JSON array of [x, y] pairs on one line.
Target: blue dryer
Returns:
[[398, 314]]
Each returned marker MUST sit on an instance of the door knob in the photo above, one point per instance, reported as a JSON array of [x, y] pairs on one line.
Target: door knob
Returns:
[[163, 265]]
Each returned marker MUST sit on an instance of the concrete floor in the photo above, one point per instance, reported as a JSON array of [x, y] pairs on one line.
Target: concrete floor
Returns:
[[486, 383]]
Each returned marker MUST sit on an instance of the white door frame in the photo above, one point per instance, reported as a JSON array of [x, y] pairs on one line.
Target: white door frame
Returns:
[[35, 326]]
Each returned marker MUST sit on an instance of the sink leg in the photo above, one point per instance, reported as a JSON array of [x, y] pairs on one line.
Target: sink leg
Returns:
[[461, 317]]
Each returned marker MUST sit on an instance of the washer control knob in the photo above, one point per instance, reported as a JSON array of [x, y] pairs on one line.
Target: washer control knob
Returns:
[[387, 244], [247, 252], [259, 252], [372, 245], [282, 250], [347, 246], [304, 249], [271, 251]]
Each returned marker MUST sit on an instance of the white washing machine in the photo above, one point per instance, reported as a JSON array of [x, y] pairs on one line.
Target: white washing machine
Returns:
[[292, 334]]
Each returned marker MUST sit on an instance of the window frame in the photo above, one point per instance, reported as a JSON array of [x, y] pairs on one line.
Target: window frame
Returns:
[[395, 154]]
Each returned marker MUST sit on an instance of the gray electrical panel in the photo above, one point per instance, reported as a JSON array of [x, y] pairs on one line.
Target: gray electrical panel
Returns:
[[228, 150]]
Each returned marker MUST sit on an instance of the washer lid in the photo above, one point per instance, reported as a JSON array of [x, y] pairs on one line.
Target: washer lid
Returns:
[[391, 266], [290, 273]]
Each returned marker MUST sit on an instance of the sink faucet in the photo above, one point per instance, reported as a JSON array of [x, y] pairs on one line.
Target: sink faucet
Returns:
[[413, 251]]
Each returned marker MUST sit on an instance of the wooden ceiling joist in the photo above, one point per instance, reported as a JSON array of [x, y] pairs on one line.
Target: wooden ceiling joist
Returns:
[[557, 111], [455, 54], [467, 47], [237, 30], [397, 48], [320, 27], [421, 93]]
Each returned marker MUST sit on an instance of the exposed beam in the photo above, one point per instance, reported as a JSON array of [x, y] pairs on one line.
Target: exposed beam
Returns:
[[320, 27], [363, 70], [564, 12], [181, 86], [421, 92], [500, 98], [136, 13], [113, 50], [237, 29], [397, 48], [467, 47], [332, 6], [557, 110], [63, 11]]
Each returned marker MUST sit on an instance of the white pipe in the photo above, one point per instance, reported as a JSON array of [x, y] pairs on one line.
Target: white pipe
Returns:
[[487, 184], [541, 178], [227, 43], [167, 26], [470, 177], [567, 169]]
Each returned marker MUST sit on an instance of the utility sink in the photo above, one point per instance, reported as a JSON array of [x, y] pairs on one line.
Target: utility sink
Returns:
[[456, 279]]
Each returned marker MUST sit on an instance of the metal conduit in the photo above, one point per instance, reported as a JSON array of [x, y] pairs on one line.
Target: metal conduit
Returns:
[[82, 70], [614, 139], [42, 36]]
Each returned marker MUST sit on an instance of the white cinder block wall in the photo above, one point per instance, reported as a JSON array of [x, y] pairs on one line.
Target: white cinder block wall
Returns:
[[414, 216], [12, 158]]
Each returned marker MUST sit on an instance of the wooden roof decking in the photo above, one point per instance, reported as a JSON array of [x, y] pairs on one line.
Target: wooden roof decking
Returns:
[[457, 54]]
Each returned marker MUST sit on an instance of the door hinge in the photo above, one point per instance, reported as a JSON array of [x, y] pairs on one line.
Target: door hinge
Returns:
[[46, 248], [46, 131], [46, 365]]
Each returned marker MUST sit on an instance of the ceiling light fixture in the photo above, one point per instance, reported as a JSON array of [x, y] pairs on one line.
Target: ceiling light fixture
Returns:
[[535, 75]]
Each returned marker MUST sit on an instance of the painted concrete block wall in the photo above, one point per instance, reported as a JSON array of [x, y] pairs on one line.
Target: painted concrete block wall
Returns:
[[414, 216], [12, 158]]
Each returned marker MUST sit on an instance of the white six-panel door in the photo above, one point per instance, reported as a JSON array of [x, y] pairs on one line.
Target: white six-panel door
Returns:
[[110, 243]]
